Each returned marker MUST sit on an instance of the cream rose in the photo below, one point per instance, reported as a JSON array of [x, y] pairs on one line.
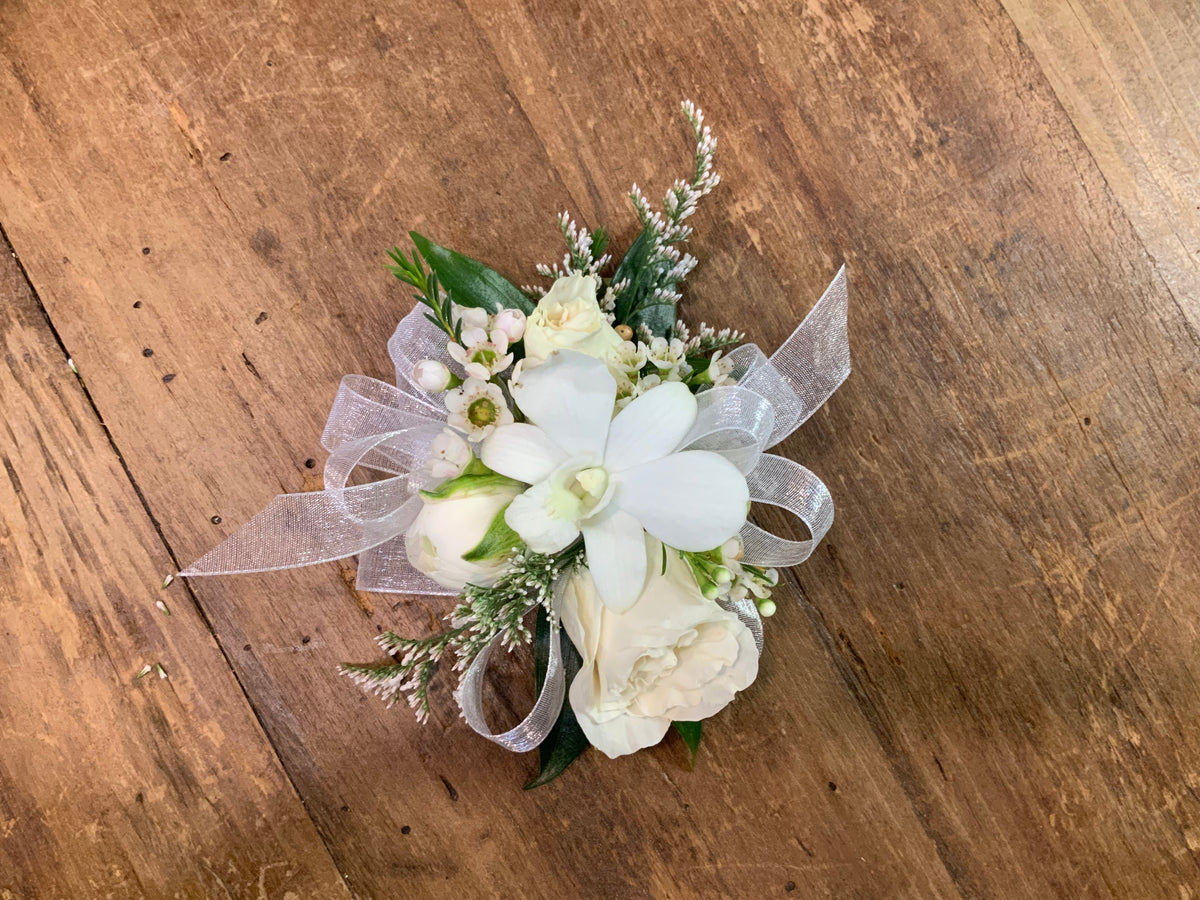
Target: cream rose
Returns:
[[569, 318], [672, 657], [446, 529]]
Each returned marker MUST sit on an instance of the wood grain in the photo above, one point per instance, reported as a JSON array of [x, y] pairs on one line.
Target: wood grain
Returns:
[[111, 784], [986, 686], [1128, 74]]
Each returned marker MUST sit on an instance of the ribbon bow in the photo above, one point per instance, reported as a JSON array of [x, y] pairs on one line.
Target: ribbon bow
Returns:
[[388, 430]]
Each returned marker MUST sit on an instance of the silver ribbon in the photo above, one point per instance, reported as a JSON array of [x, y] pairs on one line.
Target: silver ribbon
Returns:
[[534, 727], [387, 430]]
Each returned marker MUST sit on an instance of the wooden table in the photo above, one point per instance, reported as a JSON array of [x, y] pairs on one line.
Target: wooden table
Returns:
[[983, 685]]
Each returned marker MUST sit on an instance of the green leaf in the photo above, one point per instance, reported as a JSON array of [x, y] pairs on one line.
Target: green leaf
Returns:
[[466, 482], [658, 317], [690, 732], [566, 739], [498, 540], [471, 283]]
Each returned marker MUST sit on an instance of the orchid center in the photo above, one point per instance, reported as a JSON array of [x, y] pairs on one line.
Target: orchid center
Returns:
[[590, 483], [482, 412]]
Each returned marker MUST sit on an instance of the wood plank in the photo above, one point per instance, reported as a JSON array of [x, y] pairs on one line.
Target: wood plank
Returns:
[[1128, 74], [1010, 592], [111, 784], [265, 160]]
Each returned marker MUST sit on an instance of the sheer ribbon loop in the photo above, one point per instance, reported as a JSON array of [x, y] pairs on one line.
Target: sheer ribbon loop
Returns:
[[733, 422], [781, 482], [535, 726]]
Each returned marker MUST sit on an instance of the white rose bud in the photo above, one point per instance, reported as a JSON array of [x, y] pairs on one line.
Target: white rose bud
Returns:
[[431, 375], [626, 695], [446, 529], [569, 318], [512, 323]]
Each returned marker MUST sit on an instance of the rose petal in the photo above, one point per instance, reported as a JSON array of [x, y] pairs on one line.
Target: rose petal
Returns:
[[650, 427], [521, 451], [616, 556], [694, 500], [621, 733], [570, 397]]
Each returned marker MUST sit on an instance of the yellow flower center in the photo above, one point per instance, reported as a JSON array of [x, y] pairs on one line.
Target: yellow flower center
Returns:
[[482, 412]]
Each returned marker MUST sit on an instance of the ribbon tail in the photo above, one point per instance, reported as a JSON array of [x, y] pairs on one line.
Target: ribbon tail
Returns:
[[305, 529], [809, 366], [788, 485]]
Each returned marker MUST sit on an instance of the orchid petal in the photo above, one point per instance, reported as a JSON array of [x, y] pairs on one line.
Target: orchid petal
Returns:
[[616, 556], [650, 427], [570, 397], [521, 451], [530, 516], [694, 500]]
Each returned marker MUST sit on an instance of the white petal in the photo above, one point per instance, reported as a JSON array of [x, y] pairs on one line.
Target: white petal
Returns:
[[529, 516], [650, 427], [620, 734], [522, 452], [616, 557], [570, 397], [694, 500]]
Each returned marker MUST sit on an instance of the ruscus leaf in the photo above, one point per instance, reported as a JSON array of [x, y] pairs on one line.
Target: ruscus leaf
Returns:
[[690, 732]]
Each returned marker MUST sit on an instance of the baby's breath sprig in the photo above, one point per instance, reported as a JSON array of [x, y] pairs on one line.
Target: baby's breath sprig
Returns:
[[585, 250], [646, 282], [706, 339], [416, 661], [484, 613]]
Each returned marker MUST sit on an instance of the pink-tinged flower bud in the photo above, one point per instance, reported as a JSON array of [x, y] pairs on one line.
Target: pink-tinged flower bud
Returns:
[[431, 375], [512, 323]]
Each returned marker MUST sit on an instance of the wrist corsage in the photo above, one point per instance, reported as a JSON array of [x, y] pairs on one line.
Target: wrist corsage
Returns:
[[577, 466]]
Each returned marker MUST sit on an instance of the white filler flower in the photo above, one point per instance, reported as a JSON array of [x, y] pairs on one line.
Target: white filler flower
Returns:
[[611, 478]]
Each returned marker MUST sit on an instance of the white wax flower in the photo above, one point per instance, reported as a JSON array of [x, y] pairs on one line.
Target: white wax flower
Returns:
[[481, 354], [446, 529], [671, 657], [477, 408], [611, 478], [431, 375], [569, 318], [448, 455]]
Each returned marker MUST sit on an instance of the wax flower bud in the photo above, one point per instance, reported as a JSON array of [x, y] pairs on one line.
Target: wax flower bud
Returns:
[[433, 376], [512, 323]]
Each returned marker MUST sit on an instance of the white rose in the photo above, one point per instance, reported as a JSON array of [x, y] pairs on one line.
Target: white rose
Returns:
[[569, 318], [446, 529], [672, 657]]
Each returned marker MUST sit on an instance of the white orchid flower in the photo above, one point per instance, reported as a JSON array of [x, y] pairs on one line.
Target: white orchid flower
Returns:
[[611, 479]]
